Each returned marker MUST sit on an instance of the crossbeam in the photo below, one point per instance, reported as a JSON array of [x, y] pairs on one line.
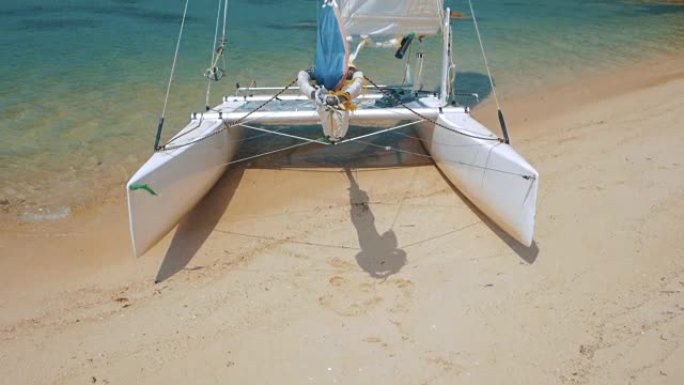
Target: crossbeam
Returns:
[[357, 117], [263, 98]]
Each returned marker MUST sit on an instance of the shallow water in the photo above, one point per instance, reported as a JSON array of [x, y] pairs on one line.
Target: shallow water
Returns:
[[82, 82]]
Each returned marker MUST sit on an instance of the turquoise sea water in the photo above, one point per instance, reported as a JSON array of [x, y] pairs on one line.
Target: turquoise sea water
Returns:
[[82, 82]]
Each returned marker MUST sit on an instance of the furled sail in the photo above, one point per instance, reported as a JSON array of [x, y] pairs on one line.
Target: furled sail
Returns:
[[332, 49], [391, 17]]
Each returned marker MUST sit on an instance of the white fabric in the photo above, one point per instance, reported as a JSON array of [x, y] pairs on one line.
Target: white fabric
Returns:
[[303, 81], [391, 17], [356, 86], [335, 122]]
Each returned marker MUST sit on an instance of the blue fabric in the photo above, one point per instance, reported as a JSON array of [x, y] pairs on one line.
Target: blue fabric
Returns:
[[330, 64]]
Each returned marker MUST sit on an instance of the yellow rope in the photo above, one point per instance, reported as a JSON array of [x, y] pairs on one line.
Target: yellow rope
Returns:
[[345, 98]]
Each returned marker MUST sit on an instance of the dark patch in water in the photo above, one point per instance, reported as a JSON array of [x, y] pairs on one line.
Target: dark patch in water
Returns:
[[638, 8], [302, 25], [125, 2], [157, 17], [661, 9], [264, 2], [471, 82], [32, 10], [51, 25], [126, 10]]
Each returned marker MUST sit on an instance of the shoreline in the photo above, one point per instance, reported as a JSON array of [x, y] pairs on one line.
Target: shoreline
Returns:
[[270, 263], [519, 108], [588, 89], [102, 176], [521, 114]]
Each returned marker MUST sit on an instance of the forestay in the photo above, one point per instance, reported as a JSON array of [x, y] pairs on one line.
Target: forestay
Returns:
[[391, 17]]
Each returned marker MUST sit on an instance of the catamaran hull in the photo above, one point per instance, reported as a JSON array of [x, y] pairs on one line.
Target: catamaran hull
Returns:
[[492, 175], [172, 182]]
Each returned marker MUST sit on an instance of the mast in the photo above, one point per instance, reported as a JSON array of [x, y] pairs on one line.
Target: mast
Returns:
[[446, 55]]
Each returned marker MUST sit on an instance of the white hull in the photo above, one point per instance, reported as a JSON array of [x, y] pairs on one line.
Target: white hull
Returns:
[[180, 178], [492, 175]]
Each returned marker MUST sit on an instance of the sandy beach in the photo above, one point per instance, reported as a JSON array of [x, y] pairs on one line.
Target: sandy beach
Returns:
[[379, 272]]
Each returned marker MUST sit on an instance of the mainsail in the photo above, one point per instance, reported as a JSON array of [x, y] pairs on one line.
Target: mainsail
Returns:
[[391, 17]]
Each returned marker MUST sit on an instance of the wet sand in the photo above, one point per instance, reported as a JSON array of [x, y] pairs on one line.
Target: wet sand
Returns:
[[367, 267]]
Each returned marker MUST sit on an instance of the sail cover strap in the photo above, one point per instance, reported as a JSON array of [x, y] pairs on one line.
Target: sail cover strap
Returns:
[[332, 50]]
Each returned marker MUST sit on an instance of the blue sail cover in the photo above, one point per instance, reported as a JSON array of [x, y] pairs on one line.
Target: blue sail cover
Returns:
[[332, 51]]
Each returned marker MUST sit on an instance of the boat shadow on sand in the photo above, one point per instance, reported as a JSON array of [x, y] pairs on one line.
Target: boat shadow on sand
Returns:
[[194, 229], [380, 256], [526, 253]]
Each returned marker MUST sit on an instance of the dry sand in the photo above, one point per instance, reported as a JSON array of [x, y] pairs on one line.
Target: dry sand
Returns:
[[287, 276]]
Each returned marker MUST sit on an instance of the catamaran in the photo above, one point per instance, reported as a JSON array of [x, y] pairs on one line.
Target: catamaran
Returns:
[[335, 94]]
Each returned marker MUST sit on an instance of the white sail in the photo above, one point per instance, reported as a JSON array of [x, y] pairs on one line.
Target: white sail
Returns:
[[391, 17]]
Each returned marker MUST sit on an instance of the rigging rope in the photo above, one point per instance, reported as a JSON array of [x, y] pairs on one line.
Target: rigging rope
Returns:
[[419, 79], [284, 134], [160, 125], [214, 49], [484, 56], [422, 155], [407, 67], [395, 149], [502, 122], [262, 105], [175, 58], [226, 124], [225, 17], [296, 145], [418, 114], [214, 72]]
